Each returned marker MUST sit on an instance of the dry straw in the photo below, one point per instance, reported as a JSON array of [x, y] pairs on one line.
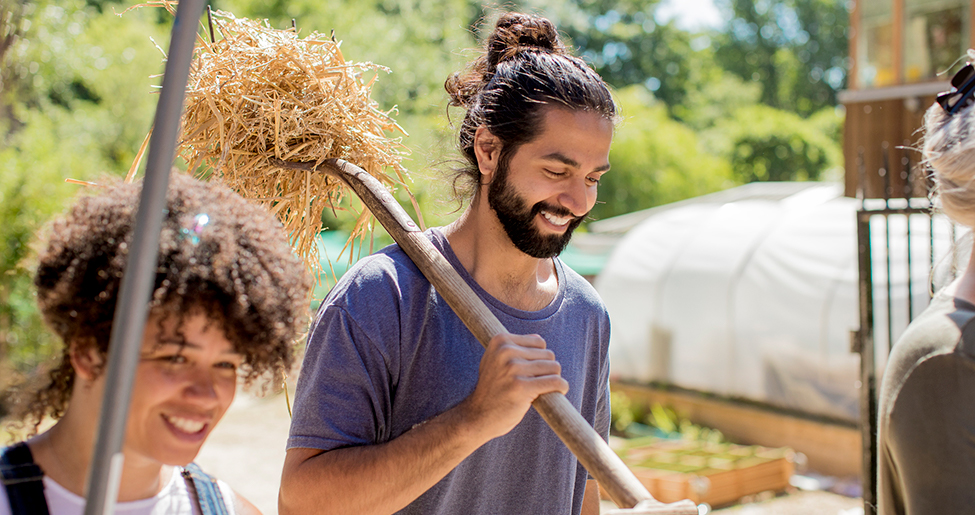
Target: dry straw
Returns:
[[257, 93]]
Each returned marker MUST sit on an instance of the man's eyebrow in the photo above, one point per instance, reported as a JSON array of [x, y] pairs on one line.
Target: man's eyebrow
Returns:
[[564, 159]]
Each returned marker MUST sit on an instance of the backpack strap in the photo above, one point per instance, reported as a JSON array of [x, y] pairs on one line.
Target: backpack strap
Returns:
[[22, 479], [206, 491]]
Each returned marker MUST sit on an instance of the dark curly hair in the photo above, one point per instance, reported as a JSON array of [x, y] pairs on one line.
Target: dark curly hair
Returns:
[[219, 255], [523, 68]]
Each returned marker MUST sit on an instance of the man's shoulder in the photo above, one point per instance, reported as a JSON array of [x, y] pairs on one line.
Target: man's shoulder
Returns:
[[379, 277], [579, 290]]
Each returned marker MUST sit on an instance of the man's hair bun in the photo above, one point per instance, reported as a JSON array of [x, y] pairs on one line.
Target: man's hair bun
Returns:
[[513, 34], [516, 32]]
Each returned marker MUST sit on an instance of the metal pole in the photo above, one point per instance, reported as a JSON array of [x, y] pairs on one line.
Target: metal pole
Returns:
[[140, 268], [865, 346], [868, 381]]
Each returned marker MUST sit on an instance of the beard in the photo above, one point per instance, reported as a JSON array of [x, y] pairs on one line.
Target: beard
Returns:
[[518, 219]]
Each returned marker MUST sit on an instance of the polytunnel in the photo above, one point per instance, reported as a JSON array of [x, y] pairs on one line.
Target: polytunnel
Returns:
[[756, 297]]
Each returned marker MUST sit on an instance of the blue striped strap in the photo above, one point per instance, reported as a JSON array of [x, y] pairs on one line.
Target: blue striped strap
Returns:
[[23, 480], [208, 496]]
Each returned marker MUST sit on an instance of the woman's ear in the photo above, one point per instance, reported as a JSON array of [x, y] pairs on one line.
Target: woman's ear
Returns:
[[487, 148], [85, 359]]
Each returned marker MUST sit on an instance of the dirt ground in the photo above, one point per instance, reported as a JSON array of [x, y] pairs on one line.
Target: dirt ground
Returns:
[[247, 451]]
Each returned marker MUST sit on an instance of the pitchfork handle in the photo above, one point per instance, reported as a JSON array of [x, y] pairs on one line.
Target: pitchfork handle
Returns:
[[590, 449]]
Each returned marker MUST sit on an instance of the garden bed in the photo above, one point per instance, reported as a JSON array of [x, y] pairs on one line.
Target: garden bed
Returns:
[[705, 472]]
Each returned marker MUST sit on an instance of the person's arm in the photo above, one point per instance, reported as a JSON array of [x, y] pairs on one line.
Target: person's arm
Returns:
[[386, 477], [590, 501], [244, 507]]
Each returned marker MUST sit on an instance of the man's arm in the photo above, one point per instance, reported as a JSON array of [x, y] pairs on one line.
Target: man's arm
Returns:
[[384, 478]]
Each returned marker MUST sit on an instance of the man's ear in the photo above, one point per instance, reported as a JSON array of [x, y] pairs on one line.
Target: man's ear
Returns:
[[487, 149], [85, 359]]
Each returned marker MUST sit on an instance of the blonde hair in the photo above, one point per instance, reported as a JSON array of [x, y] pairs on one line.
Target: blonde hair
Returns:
[[949, 152]]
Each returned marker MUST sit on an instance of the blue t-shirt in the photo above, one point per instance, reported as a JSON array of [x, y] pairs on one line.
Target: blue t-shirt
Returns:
[[386, 352]]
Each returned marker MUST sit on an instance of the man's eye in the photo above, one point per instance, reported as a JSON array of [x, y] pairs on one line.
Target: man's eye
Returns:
[[593, 180], [554, 173]]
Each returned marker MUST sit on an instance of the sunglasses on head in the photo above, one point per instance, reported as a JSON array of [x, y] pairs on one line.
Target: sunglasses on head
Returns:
[[960, 95]]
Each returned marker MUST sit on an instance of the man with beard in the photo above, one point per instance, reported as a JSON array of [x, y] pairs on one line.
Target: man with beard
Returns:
[[398, 407]]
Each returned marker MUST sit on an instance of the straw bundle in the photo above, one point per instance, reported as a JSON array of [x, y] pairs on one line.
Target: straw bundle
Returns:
[[258, 93]]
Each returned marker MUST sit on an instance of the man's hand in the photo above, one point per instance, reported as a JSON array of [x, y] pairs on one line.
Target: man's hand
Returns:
[[384, 478], [514, 370]]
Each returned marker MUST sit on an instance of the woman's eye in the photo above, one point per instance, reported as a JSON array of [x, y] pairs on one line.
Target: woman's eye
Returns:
[[175, 359], [227, 365]]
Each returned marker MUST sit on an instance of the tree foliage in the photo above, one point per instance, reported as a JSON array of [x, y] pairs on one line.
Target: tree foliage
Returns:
[[701, 111], [627, 45], [655, 160], [773, 145], [76, 93], [796, 49]]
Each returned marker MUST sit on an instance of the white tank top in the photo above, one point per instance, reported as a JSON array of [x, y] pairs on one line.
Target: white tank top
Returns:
[[174, 499]]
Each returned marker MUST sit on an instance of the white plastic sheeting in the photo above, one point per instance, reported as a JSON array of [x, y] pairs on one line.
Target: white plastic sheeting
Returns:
[[757, 298]]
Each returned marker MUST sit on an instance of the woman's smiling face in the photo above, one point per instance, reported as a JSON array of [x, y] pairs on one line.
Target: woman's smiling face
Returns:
[[186, 380]]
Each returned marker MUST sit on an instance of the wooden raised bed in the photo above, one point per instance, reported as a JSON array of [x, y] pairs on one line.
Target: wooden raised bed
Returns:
[[717, 474]]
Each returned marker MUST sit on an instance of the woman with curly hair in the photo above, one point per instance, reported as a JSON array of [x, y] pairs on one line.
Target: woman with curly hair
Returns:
[[229, 300]]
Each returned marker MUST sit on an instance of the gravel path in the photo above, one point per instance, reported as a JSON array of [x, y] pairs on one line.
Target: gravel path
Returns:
[[247, 451]]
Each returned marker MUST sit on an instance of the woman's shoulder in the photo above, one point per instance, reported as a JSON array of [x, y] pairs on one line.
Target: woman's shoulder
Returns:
[[174, 499]]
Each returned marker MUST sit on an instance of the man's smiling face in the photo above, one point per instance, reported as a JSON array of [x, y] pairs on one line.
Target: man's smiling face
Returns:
[[548, 186]]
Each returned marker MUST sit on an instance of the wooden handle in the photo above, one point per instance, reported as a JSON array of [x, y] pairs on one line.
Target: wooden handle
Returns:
[[589, 448]]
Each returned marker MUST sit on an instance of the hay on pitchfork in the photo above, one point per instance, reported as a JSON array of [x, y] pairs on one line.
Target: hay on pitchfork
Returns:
[[257, 93]]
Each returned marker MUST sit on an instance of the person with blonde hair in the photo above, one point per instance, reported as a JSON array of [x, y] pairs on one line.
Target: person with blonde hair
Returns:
[[398, 407], [229, 300], [926, 439]]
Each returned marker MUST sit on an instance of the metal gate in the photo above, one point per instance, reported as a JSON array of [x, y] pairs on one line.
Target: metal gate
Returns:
[[884, 234]]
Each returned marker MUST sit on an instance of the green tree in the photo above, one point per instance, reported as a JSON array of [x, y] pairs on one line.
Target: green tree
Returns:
[[76, 91], [796, 49], [768, 144], [655, 160], [626, 46]]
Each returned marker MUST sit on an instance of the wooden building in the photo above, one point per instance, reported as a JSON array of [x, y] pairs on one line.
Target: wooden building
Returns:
[[903, 54]]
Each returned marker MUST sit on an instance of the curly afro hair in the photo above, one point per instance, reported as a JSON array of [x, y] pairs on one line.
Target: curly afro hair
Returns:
[[219, 255]]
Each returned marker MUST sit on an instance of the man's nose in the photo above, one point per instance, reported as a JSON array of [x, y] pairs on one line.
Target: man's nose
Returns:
[[575, 197]]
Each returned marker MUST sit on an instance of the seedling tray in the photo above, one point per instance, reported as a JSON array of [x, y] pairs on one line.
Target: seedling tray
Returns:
[[717, 474]]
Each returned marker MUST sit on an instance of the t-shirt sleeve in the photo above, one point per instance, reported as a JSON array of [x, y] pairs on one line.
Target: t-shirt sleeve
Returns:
[[343, 393], [931, 436], [602, 418]]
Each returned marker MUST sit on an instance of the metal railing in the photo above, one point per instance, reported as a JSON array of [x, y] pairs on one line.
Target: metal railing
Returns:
[[899, 213]]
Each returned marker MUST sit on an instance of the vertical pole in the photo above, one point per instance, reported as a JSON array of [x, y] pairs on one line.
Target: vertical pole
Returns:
[[868, 403], [130, 314], [906, 175], [885, 173], [868, 400]]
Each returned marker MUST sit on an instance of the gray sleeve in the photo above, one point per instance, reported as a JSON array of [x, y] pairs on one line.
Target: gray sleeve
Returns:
[[343, 395], [930, 437], [602, 419]]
